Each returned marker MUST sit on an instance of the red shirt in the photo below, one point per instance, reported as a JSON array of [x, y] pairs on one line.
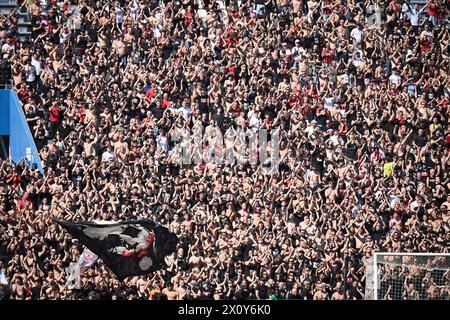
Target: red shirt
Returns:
[[165, 103], [188, 18], [327, 55], [150, 94], [397, 7], [424, 46], [327, 10], [343, 128], [401, 122], [433, 9], [162, 41], [82, 114], [23, 203], [15, 179], [23, 95], [55, 113]]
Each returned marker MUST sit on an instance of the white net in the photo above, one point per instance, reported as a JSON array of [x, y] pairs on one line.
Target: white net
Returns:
[[368, 263], [408, 277]]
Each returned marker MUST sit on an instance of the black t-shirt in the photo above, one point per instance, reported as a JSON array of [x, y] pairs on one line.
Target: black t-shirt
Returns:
[[219, 119], [317, 160], [245, 248], [377, 234], [305, 294], [145, 46], [203, 104], [64, 131], [262, 291], [292, 296], [274, 66], [397, 286], [84, 10], [241, 294], [390, 26], [157, 112], [421, 141], [35, 292], [137, 32], [351, 151], [3, 246], [167, 50]]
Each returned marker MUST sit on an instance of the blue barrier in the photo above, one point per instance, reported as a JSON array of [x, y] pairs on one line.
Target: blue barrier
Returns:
[[4, 113], [13, 123]]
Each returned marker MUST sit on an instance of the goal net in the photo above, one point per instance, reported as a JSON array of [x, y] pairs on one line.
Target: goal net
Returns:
[[408, 276]]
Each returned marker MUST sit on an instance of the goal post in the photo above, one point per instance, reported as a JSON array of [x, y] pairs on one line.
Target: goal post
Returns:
[[407, 276]]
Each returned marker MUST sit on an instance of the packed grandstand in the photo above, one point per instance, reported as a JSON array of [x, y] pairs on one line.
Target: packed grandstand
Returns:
[[358, 92]]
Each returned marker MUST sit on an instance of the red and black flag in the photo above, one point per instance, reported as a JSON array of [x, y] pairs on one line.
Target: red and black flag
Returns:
[[127, 248]]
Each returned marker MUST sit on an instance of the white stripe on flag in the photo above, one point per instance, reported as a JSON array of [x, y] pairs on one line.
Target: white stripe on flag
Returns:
[[86, 260]]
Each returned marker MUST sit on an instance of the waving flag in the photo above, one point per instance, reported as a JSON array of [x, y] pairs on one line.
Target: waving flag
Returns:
[[86, 260], [127, 248]]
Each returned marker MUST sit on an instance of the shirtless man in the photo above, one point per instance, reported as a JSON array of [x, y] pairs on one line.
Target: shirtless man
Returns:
[[170, 292], [338, 292], [321, 293]]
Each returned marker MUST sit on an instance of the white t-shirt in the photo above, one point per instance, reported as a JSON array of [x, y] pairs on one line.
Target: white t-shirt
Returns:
[[37, 64], [163, 142], [310, 130], [357, 35], [108, 156], [156, 32], [343, 78], [296, 51], [135, 10], [63, 37], [185, 112], [357, 58], [254, 121], [250, 114], [414, 16], [31, 73], [3, 279], [328, 103], [395, 79], [335, 139], [426, 33], [119, 14], [413, 205], [286, 52], [6, 48]]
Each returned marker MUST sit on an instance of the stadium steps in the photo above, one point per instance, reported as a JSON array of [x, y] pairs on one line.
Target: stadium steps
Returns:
[[7, 6], [24, 25]]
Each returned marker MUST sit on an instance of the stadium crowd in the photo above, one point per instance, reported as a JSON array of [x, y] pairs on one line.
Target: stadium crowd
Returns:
[[361, 98]]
